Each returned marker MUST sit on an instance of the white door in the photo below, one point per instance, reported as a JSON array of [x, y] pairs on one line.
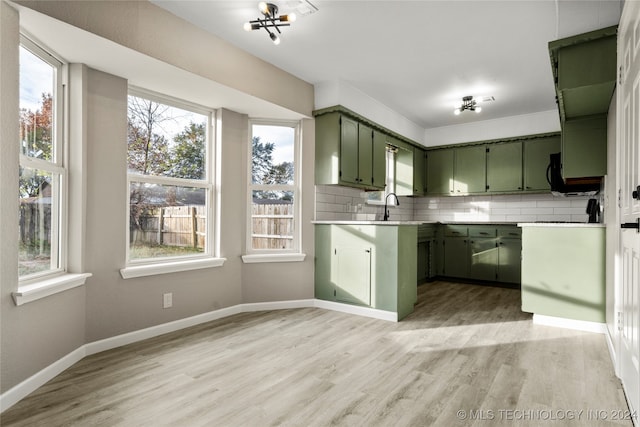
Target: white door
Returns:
[[629, 178]]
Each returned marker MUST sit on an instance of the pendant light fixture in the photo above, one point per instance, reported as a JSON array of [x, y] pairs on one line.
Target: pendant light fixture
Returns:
[[471, 104], [270, 20]]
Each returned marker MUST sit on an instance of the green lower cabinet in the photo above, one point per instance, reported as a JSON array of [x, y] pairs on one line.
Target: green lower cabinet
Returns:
[[483, 258], [369, 265], [509, 260], [563, 272], [456, 257]]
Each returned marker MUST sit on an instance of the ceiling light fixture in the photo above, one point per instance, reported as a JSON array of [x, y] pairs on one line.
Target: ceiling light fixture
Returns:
[[270, 20], [468, 103]]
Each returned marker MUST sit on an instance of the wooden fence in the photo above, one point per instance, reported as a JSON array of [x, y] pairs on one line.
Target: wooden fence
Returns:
[[171, 226], [35, 224], [272, 226]]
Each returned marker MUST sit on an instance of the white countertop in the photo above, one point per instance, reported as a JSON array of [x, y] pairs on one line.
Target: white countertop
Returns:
[[374, 222], [561, 224]]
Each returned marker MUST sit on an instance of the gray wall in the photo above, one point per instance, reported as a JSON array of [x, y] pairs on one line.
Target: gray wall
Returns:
[[39, 333]]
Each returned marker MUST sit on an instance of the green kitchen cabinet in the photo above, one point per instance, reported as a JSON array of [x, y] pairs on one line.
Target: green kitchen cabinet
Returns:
[[427, 248], [367, 265], [349, 151], [379, 156], [563, 271], [456, 251], [509, 254], [419, 172], [469, 173], [403, 168], [536, 159], [584, 147], [440, 171], [353, 272], [584, 70], [483, 254], [346, 153], [504, 167]]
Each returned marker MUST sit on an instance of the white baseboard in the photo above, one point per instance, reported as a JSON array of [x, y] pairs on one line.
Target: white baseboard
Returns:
[[357, 310], [578, 325], [28, 386], [31, 384]]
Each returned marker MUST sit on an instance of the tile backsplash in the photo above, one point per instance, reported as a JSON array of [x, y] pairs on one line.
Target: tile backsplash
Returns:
[[343, 203]]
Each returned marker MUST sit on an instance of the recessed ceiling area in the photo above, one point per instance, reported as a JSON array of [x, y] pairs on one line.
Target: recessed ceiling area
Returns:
[[418, 58]]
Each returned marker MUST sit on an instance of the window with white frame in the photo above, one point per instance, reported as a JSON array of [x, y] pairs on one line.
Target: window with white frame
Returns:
[[378, 197], [169, 178], [273, 194], [42, 180]]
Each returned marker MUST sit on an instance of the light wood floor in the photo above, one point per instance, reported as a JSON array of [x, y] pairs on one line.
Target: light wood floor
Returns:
[[465, 348]]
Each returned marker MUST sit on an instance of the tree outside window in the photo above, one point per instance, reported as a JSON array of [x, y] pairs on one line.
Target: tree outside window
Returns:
[[273, 189], [169, 184]]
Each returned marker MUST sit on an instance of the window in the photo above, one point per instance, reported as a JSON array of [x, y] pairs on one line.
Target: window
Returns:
[[42, 170], [169, 179], [378, 197], [273, 190]]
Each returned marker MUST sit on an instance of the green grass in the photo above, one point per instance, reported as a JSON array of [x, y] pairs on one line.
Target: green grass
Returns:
[[159, 251]]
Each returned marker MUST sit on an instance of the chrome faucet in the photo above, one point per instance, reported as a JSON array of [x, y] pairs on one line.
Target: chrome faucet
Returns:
[[386, 211]]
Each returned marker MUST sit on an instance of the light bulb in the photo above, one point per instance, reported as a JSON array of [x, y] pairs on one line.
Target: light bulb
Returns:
[[291, 17], [274, 38], [456, 111], [478, 109], [247, 26], [262, 6]]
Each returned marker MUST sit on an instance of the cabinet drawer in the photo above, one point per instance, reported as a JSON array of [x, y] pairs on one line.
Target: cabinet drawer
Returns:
[[426, 232], [482, 232], [455, 231], [510, 232]]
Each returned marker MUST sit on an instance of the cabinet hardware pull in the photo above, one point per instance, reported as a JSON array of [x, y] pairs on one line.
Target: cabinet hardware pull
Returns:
[[636, 193]]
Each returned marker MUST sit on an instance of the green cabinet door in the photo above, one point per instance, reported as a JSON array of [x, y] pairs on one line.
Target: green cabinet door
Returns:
[[509, 260], [348, 150], [404, 169], [483, 258], [365, 155], [418, 171], [584, 147], [469, 174], [536, 160], [504, 167], [440, 171], [353, 278], [456, 257], [379, 156]]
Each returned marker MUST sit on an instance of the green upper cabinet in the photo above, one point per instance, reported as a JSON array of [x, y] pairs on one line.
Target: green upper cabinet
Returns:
[[419, 173], [379, 159], [536, 160], [347, 153], [584, 68], [404, 168], [584, 147], [469, 173], [365, 155], [440, 171], [504, 167]]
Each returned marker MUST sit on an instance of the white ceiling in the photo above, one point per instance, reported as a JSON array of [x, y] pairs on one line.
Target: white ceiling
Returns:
[[417, 57]]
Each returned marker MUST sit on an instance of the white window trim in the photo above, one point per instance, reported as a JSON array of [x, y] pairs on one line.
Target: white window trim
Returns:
[[57, 167], [51, 285], [276, 255], [208, 259]]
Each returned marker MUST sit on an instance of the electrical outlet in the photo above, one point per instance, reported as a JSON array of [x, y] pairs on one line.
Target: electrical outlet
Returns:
[[167, 300]]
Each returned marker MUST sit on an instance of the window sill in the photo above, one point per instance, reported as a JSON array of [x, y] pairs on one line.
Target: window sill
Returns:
[[170, 267], [260, 258], [47, 287]]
